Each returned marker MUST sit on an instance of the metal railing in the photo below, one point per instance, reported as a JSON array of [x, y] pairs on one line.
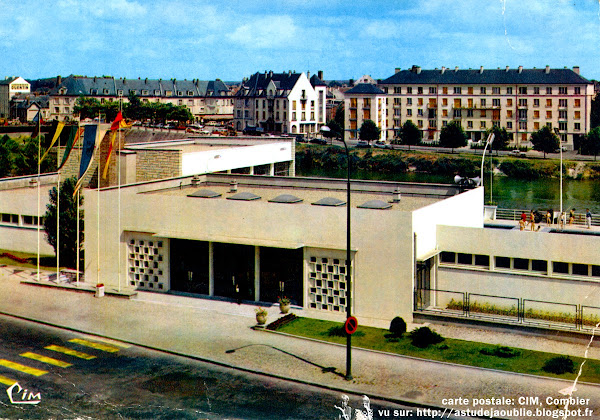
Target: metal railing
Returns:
[[507, 309], [515, 215]]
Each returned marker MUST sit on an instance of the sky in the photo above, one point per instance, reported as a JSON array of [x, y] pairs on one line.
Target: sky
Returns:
[[232, 39]]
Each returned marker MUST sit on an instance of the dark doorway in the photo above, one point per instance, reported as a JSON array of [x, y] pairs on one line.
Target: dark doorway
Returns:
[[281, 274], [234, 271], [189, 266], [424, 283]]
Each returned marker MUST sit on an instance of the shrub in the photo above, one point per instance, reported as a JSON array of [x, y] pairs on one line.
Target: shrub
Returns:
[[340, 331], [501, 351], [424, 336], [398, 327], [559, 365]]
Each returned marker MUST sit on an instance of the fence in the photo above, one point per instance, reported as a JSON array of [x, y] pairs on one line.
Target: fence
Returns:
[[510, 310], [515, 215]]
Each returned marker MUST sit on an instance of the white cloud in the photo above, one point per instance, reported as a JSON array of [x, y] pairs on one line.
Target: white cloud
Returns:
[[266, 32]]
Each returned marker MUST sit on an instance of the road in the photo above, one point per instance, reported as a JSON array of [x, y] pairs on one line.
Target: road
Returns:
[[74, 376]]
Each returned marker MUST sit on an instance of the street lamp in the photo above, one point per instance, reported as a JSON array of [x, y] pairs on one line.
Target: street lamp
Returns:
[[488, 142], [348, 263], [561, 166]]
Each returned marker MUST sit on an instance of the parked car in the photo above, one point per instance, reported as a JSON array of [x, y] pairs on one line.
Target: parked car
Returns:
[[300, 138], [363, 144], [318, 141], [253, 131], [381, 144], [517, 153]]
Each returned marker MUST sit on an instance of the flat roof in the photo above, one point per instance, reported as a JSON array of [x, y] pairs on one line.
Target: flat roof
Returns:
[[202, 145], [298, 191]]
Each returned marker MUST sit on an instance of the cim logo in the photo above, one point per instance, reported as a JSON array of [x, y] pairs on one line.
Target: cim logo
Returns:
[[26, 397]]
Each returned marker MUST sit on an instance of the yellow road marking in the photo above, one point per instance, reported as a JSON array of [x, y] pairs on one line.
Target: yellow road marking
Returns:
[[94, 345], [45, 359], [70, 352], [22, 368], [6, 381], [113, 342]]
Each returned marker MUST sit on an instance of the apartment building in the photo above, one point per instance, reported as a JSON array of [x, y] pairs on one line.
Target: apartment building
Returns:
[[365, 102], [281, 103], [205, 99], [10, 87], [520, 100]]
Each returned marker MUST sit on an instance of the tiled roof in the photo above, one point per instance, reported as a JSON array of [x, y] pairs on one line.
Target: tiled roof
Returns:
[[109, 86], [364, 88], [315, 81], [7, 81], [258, 82], [499, 76]]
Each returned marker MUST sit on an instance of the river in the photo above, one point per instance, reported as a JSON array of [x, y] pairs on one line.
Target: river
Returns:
[[507, 192]]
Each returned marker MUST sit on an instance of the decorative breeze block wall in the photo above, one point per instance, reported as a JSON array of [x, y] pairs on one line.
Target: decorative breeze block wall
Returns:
[[147, 263], [327, 283]]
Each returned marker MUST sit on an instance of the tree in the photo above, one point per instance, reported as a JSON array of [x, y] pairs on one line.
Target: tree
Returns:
[[369, 131], [26, 159], [501, 138], [68, 223], [544, 140], [180, 113], [335, 130], [591, 143], [340, 115], [87, 107], [8, 150], [595, 112], [410, 134], [453, 136]]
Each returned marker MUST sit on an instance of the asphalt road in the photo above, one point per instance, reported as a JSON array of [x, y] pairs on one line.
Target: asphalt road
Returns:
[[74, 376]]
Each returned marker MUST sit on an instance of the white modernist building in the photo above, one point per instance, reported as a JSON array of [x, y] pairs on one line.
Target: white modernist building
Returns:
[[255, 238]]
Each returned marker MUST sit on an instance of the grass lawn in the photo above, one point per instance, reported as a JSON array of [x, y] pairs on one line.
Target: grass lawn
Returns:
[[46, 262], [450, 350]]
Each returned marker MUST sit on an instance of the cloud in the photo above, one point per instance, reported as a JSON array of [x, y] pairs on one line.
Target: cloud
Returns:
[[266, 32]]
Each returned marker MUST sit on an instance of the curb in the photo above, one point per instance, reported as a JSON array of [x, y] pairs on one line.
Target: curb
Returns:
[[525, 375], [408, 403]]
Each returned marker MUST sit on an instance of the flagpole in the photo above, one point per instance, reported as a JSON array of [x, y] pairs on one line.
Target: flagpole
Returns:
[[118, 159], [78, 245], [58, 214], [39, 198], [98, 204]]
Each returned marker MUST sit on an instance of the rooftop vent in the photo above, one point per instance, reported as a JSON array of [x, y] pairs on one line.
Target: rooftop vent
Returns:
[[329, 201], [195, 180], [233, 185], [286, 198], [205, 194], [376, 205], [397, 196], [244, 196]]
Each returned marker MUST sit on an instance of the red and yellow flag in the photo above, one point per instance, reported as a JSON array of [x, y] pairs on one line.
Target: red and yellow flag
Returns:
[[118, 123]]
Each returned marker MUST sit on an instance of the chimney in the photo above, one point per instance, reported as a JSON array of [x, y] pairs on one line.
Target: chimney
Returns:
[[443, 69], [481, 70], [456, 69], [547, 69], [320, 74], [520, 69], [507, 69], [576, 69], [397, 70], [58, 80], [233, 186], [418, 69], [271, 73], [308, 75]]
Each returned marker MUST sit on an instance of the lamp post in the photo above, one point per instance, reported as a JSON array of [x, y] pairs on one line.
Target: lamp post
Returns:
[[561, 166], [348, 260], [488, 142]]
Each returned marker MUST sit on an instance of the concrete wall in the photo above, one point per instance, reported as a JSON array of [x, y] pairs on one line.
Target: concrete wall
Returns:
[[465, 210], [527, 284], [17, 197], [222, 159]]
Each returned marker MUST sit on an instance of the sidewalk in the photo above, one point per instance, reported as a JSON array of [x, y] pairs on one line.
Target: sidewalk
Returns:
[[221, 332]]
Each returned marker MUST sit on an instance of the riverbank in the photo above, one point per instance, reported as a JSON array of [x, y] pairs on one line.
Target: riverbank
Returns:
[[309, 158], [520, 190]]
